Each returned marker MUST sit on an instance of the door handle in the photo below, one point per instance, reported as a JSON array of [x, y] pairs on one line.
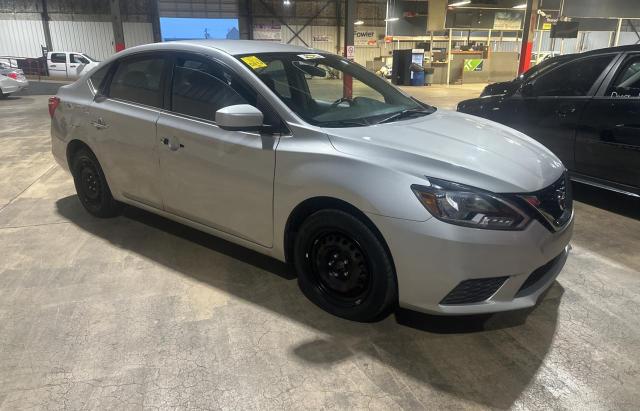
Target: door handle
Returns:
[[171, 144], [99, 124], [565, 111], [72, 66]]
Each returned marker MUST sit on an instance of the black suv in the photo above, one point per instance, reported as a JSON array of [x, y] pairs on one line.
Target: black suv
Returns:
[[584, 107]]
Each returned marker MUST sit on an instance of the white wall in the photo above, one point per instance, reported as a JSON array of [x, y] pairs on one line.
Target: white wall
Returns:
[[94, 38], [136, 34], [21, 38]]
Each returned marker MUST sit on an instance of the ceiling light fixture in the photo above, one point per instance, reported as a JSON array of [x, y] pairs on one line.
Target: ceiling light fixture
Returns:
[[459, 3], [358, 23], [520, 6], [392, 19]]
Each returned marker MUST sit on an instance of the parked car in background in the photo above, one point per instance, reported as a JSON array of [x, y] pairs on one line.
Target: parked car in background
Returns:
[[375, 197], [507, 87], [69, 65], [584, 107], [11, 81]]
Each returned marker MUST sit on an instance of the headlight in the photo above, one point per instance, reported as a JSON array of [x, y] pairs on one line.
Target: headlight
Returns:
[[458, 204]]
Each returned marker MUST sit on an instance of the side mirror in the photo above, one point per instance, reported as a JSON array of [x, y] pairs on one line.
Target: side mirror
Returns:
[[527, 90], [239, 117]]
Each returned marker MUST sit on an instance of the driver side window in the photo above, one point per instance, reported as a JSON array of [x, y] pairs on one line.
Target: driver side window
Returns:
[[573, 79], [201, 87]]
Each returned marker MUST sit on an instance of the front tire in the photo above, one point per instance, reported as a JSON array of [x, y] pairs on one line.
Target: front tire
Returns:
[[344, 268], [3, 95], [91, 185]]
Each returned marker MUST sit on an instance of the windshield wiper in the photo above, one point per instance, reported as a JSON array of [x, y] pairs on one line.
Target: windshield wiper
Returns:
[[404, 113], [343, 123]]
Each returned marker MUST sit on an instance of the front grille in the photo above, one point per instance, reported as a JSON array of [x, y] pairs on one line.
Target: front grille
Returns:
[[554, 203], [473, 291], [535, 277]]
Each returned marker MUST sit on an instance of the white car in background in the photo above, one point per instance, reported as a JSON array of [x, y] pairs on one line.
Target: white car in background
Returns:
[[11, 81], [69, 64]]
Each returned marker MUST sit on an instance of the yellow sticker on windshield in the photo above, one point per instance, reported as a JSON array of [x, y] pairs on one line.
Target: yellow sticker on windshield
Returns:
[[310, 56], [254, 62]]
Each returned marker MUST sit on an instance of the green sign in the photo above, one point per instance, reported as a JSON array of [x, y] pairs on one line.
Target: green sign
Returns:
[[473, 64]]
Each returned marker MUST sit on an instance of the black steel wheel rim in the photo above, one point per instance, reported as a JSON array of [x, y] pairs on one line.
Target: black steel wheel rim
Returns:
[[340, 267], [90, 185]]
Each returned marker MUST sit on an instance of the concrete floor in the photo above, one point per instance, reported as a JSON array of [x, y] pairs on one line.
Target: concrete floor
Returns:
[[139, 312]]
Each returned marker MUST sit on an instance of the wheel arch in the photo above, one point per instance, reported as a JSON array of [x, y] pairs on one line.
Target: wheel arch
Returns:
[[312, 205], [73, 147]]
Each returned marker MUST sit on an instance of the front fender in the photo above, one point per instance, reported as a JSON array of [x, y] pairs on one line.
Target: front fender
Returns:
[[309, 166]]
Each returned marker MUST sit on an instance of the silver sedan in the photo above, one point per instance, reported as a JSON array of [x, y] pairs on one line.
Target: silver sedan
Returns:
[[378, 199], [11, 81]]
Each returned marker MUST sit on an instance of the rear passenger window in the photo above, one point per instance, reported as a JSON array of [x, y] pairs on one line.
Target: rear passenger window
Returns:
[[139, 80], [200, 88], [97, 78], [572, 79], [58, 58]]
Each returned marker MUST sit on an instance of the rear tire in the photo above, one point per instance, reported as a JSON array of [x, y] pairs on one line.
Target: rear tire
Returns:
[[91, 185], [344, 268]]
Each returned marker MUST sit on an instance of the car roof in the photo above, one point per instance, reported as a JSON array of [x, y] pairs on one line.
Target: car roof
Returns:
[[618, 49], [235, 47]]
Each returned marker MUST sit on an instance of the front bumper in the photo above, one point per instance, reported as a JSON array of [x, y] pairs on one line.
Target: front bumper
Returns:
[[433, 258]]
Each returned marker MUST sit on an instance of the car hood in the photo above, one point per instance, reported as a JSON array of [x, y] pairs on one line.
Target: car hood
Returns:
[[501, 88], [456, 147]]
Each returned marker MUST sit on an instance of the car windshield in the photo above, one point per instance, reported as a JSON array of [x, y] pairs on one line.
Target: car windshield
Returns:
[[329, 91]]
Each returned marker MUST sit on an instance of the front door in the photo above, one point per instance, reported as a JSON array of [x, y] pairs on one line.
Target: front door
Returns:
[[548, 107], [608, 143], [77, 63], [222, 179], [124, 128]]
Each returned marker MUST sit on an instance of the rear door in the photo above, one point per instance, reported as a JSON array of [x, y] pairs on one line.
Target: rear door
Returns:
[[219, 178], [124, 126], [57, 64], [608, 143]]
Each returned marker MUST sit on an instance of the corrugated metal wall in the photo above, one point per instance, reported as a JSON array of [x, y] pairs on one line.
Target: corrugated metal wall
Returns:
[[199, 8], [21, 38], [94, 38], [136, 34]]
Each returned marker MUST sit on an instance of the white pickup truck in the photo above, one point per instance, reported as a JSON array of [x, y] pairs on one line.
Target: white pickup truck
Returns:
[[69, 64]]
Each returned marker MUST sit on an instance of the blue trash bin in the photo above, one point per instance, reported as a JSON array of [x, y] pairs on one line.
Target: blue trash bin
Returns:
[[417, 78]]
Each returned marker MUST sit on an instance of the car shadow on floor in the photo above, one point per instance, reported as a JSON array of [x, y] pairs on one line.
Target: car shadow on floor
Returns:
[[486, 360]]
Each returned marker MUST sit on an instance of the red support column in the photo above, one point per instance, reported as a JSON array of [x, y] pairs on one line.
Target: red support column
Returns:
[[528, 31]]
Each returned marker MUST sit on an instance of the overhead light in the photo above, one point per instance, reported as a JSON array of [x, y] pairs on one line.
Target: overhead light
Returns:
[[358, 23], [520, 6], [392, 19], [286, 3], [459, 3]]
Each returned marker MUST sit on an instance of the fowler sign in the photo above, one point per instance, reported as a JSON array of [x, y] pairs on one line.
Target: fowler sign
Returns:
[[365, 38]]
